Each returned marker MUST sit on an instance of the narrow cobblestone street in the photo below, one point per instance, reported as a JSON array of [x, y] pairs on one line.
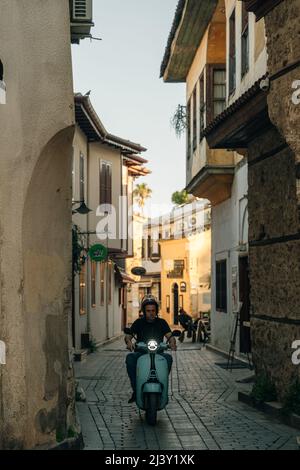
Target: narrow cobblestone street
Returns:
[[203, 411]]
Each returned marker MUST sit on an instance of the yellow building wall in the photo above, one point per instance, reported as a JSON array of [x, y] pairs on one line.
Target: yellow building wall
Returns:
[[195, 251]]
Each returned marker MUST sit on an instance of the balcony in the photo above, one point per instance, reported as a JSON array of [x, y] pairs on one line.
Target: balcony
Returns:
[[212, 178]]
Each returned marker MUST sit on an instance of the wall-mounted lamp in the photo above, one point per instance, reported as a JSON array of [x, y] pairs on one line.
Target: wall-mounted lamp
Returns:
[[82, 209]]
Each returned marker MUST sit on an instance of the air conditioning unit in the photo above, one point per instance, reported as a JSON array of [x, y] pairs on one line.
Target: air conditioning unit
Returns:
[[81, 15], [82, 10]]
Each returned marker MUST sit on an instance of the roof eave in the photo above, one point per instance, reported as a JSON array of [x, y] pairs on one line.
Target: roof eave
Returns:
[[126, 146], [190, 23]]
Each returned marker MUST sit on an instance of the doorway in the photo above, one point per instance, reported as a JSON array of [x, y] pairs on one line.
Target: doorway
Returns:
[[175, 303], [244, 295]]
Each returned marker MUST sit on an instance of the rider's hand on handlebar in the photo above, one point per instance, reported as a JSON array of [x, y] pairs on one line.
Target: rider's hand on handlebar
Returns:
[[129, 346]]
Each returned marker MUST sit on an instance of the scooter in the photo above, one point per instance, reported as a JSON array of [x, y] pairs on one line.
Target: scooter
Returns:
[[152, 377]]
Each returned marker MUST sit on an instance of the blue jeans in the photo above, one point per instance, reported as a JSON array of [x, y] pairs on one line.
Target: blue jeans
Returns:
[[131, 362]]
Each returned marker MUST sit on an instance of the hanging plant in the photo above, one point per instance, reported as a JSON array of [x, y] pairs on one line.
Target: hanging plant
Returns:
[[178, 121], [78, 250]]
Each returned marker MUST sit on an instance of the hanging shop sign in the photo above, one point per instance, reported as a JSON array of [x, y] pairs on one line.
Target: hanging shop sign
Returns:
[[98, 252]]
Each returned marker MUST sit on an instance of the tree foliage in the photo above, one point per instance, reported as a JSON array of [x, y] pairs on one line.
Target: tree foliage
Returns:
[[180, 197], [141, 193]]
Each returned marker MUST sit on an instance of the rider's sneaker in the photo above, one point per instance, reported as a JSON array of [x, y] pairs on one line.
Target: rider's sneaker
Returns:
[[132, 399]]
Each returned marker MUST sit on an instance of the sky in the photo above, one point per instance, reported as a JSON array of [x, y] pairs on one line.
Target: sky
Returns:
[[122, 72]]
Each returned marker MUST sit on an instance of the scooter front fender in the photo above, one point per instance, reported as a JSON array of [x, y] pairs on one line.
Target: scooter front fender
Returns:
[[151, 387], [142, 376]]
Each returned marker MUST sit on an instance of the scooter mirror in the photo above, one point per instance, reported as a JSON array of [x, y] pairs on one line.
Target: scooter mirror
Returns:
[[176, 333], [127, 331]]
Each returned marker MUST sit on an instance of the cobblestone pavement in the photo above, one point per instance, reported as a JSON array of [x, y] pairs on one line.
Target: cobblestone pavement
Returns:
[[203, 411]]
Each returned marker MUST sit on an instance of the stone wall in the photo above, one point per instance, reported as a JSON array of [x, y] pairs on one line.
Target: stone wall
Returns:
[[283, 32], [274, 257], [37, 126]]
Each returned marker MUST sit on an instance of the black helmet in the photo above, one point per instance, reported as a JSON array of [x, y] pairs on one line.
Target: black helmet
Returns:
[[149, 300]]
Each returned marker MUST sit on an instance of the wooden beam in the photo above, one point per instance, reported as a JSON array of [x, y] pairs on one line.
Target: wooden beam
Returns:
[[260, 7]]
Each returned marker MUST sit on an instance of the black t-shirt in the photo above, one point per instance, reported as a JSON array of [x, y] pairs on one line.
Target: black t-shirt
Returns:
[[145, 330]]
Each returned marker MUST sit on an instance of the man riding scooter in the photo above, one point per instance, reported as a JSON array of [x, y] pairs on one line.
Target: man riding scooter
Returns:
[[148, 327], [188, 325]]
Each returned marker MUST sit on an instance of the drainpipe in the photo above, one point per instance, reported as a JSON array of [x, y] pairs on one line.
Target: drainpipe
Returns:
[[107, 283]]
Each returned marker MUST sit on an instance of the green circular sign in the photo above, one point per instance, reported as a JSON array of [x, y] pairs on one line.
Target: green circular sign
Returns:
[[98, 252]]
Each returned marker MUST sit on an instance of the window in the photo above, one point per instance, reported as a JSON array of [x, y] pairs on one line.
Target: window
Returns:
[[232, 54], [188, 124], [149, 247], [159, 246], [195, 118], [202, 105], [218, 91], [102, 280], [82, 291], [178, 268], [105, 184], [178, 265], [245, 40], [81, 177], [168, 303], [221, 286], [143, 247], [2, 85], [93, 283]]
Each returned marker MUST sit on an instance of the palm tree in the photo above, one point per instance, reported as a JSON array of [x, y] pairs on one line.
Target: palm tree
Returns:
[[141, 193]]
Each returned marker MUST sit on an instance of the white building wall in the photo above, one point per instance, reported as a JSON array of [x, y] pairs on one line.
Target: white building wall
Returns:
[[229, 230]]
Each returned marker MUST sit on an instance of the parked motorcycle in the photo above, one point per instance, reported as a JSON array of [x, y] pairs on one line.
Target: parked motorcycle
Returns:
[[152, 377], [191, 329]]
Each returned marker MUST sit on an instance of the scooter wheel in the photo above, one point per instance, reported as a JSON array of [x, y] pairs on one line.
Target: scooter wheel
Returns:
[[151, 411]]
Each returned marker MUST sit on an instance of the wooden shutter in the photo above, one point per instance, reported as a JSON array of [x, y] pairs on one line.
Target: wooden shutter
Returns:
[[232, 54], [93, 283], [102, 182], [108, 184], [105, 192]]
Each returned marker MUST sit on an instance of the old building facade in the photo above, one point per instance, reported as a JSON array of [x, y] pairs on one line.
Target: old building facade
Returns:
[[104, 169], [196, 53], [37, 128], [176, 258], [267, 129], [37, 121]]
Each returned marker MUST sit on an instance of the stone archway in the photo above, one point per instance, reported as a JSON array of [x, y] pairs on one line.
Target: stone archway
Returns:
[[46, 238]]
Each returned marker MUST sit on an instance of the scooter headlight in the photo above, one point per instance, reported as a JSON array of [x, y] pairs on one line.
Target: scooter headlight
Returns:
[[152, 345]]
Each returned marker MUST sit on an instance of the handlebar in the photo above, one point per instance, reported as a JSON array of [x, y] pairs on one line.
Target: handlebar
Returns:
[[144, 347]]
